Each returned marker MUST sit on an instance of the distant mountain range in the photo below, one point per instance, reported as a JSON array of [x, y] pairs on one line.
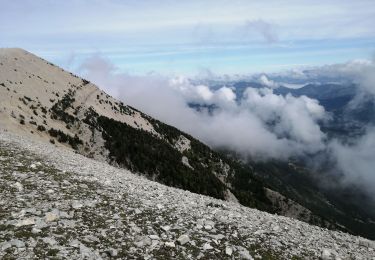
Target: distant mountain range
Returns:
[[336, 98]]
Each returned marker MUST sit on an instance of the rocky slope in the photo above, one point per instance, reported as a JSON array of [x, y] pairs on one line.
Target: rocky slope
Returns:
[[55, 203], [43, 102]]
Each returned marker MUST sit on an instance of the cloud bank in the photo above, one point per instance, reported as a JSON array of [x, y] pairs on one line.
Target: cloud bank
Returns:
[[262, 125], [356, 160]]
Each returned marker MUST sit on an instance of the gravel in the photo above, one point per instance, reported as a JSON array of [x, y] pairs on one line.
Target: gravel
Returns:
[[55, 203]]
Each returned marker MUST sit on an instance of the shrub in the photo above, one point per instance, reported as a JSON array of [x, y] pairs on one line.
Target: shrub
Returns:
[[65, 138], [27, 98], [41, 128], [85, 82]]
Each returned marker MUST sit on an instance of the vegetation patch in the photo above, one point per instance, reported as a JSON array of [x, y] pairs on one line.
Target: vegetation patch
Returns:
[[65, 138], [58, 109]]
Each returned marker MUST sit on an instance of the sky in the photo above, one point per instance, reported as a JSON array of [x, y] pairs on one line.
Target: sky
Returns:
[[190, 37]]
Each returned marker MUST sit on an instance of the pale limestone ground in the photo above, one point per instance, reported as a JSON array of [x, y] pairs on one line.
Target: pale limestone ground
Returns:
[[26, 75], [130, 216]]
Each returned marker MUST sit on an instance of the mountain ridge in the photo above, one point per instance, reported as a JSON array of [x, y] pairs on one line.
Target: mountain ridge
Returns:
[[45, 102]]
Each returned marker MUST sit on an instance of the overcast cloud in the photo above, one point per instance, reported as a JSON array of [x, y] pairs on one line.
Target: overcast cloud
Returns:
[[184, 37]]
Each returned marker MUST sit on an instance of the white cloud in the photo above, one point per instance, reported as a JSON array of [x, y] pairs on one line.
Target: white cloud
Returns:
[[367, 78], [262, 125], [356, 160], [295, 118], [268, 82]]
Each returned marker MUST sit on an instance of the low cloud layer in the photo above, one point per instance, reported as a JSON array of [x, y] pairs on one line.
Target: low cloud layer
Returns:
[[262, 125], [356, 160]]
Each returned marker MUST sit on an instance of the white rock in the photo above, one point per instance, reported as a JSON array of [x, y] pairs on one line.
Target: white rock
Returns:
[[166, 228], [51, 216], [200, 222], [86, 253], [259, 232], [26, 222], [218, 236], [143, 241], [326, 254], [169, 244], [49, 240], [207, 246], [35, 230], [276, 228], [136, 229], [183, 239], [112, 252], [17, 243], [154, 237], [228, 251], [244, 253], [185, 161], [5, 245], [77, 204], [18, 186], [74, 243], [40, 223], [207, 227], [154, 243]]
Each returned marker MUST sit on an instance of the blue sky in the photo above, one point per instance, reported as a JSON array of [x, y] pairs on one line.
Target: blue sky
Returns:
[[188, 37]]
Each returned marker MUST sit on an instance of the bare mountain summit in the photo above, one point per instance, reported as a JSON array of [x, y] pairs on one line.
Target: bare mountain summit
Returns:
[[38, 93]]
